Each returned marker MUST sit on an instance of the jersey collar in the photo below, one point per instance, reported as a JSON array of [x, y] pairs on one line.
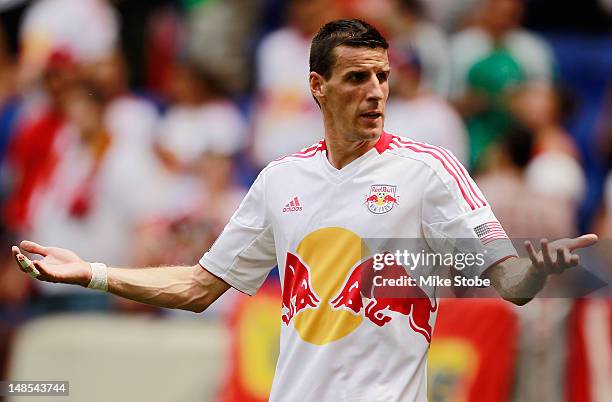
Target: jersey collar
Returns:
[[381, 145], [383, 142], [338, 176]]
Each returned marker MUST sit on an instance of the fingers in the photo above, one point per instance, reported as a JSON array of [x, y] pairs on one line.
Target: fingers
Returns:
[[554, 258], [568, 257], [579, 242], [546, 253], [43, 269], [534, 256], [564, 256], [34, 248], [25, 264], [562, 260]]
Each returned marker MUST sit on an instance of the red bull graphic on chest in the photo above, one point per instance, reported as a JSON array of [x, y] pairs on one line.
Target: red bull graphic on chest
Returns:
[[329, 290], [298, 293], [380, 302], [382, 198]]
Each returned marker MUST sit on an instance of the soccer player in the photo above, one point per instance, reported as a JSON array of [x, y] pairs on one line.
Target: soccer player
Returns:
[[308, 213]]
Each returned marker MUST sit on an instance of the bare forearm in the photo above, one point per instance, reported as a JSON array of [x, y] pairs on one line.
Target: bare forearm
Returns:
[[519, 279], [516, 280], [170, 287], [191, 288]]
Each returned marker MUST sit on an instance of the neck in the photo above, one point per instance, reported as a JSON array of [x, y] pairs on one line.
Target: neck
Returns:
[[342, 151]]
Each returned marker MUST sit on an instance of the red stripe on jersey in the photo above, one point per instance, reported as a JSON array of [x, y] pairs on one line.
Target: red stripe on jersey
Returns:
[[302, 156], [306, 153], [441, 160], [457, 167], [307, 150]]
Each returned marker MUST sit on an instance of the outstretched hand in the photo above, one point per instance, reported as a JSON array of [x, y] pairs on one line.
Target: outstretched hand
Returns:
[[557, 256], [58, 264]]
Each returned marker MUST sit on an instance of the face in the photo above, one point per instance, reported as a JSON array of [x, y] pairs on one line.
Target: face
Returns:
[[353, 98], [503, 15], [184, 86], [108, 75], [536, 105], [83, 111]]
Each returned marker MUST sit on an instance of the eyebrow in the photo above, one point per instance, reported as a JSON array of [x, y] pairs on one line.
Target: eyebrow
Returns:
[[351, 70]]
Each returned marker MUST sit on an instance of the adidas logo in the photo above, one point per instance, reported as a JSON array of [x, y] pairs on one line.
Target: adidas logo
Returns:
[[293, 206]]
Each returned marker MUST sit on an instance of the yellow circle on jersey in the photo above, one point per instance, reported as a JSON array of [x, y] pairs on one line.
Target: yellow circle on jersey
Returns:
[[330, 253]]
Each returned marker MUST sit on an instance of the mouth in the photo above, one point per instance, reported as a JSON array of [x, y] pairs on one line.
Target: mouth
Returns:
[[371, 115]]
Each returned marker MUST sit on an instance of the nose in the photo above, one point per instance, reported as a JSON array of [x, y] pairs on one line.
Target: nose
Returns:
[[375, 89]]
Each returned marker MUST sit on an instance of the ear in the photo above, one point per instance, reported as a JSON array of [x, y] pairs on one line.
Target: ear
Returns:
[[317, 85]]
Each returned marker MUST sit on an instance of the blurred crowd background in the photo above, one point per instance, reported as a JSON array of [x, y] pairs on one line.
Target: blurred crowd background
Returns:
[[130, 131]]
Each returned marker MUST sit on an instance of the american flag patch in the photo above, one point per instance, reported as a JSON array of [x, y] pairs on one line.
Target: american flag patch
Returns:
[[490, 231]]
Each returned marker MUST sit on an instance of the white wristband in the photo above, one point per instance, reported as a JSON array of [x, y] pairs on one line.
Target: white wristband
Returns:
[[99, 277]]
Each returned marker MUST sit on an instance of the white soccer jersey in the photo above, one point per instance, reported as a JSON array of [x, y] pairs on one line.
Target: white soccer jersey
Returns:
[[310, 218]]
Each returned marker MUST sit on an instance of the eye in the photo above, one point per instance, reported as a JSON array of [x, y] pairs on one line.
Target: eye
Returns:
[[382, 76], [356, 77]]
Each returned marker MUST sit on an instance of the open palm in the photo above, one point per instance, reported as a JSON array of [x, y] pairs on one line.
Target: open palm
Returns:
[[557, 256], [57, 265]]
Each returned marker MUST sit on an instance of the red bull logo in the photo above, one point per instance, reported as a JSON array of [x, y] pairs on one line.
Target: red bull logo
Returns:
[[381, 199], [297, 290], [328, 291], [411, 301]]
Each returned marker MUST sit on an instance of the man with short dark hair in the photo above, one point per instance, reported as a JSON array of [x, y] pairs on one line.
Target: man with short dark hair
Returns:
[[315, 214]]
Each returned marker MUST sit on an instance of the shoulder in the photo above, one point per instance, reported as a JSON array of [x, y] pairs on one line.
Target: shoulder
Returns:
[[528, 38], [306, 156], [442, 167], [447, 176], [467, 37], [436, 158]]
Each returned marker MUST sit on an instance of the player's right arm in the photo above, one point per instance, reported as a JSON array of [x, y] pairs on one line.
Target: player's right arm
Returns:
[[241, 257], [190, 288]]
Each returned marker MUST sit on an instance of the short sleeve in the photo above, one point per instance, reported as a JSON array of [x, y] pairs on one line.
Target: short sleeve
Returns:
[[457, 218], [244, 253]]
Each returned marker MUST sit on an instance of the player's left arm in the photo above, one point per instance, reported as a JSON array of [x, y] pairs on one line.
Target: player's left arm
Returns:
[[518, 280]]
